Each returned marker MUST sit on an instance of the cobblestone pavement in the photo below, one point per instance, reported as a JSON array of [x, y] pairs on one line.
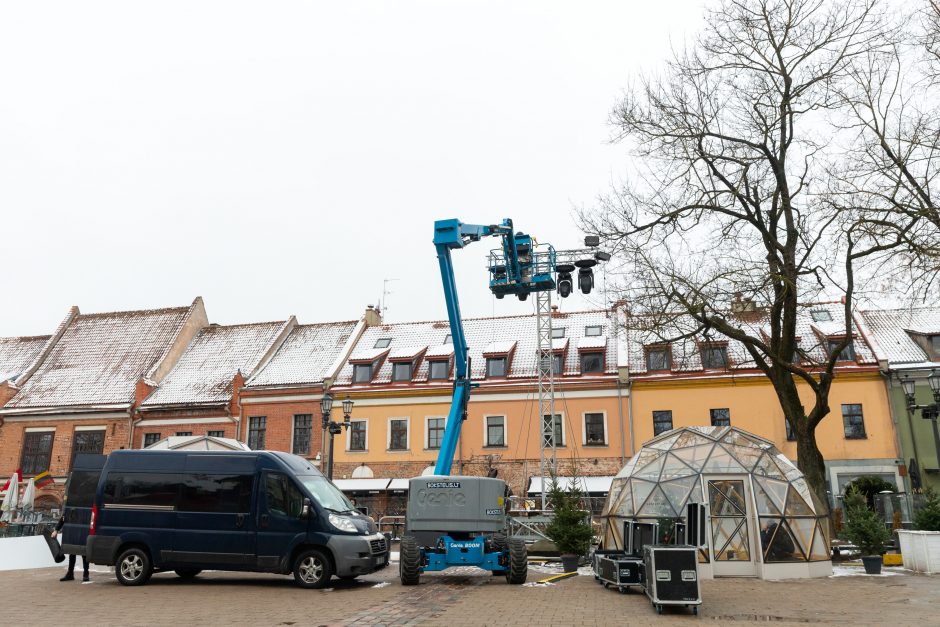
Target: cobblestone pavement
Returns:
[[457, 597]]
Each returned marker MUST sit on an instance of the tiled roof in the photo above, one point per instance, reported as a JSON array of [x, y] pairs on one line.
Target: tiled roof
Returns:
[[17, 353], [686, 353], [306, 355], [100, 357], [482, 334], [889, 328], [206, 369]]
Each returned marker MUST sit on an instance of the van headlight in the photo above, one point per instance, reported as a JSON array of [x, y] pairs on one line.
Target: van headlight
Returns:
[[343, 523]]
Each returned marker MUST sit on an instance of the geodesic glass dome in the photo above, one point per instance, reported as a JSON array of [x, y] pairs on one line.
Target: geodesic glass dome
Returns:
[[756, 499]]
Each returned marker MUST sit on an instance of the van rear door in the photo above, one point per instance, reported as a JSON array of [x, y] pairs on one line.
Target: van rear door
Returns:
[[214, 525], [79, 497]]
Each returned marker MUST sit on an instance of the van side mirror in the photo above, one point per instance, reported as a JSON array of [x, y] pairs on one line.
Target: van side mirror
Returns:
[[305, 512]]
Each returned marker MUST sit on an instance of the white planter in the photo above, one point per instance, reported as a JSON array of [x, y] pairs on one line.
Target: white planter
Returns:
[[920, 550]]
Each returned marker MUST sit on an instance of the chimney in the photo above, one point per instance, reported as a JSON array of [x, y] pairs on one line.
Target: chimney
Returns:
[[742, 305], [373, 316]]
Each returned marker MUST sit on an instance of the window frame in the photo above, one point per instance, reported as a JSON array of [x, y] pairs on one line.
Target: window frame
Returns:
[[256, 430], [37, 433], [589, 330], [217, 433], [183, 434], [427, 432], [558, 333], [707, 349], [448, 339], [494, 359], [388, 442], [432, 363], [559, 360], [820, 315], [590, 355], [411, 371], [370, 369], [143, 443], [712, 412], [845, 426], [103, 430], [584, 429], [387, 342], [365, 437], [294, 431], [561, 422], [848, 353], [486, 431], [657, 348], [672, 424]]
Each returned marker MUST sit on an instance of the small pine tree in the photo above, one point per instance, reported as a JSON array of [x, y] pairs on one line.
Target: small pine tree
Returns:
[[568, 529], [927, 518], [863, 527]]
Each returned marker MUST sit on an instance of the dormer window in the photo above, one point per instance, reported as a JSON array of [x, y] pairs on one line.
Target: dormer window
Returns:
[[714, 356], [362, 373], [821, 315], [593, 331], [402, 370], [847, 354], [558, 333], [439, 369], [558, 364], [592, 362], [495, 367], [935, 343], [382, 342], [658, 358]]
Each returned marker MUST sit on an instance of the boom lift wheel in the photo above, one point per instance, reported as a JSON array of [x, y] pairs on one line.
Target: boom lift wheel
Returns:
[[518, 561], [500, 543], [409, 561]]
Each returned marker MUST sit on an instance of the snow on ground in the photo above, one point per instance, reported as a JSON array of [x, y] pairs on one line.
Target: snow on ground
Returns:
[[859, 571]]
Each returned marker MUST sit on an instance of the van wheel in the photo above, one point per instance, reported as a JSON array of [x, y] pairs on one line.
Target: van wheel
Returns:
[[518, 561], [187, 573], [409, 561], [133, 567], [312, 569]]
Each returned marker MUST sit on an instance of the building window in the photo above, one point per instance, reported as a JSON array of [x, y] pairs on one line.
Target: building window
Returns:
[[256, 428], [558, 364], [495, 367], [357, 435], [721, 417], [595, 434], [151, 438], [935, 343], [398, 434], [557, 430], [714, 356], [662, 421], [495, 431], [401, 371], [847, 354], [382, 342], [853, 421], [658, 358], [438, 370], [448, 339], [303, 427], [791, 437], [184, 434], [37, 451], [821, 315], [592, 362], [88, 442], [558, 333], [435, 432], [593, 331], [216, 434], [362, 373]]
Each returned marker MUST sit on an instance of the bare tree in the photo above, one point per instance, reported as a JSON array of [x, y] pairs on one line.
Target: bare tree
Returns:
[[731, 195]]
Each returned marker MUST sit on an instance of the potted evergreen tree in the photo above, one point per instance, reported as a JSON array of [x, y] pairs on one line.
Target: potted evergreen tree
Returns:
[[865, 530], [568, 528]]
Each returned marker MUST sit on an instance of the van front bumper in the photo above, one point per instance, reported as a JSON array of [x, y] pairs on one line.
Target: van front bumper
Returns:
[[359, 555], [101, 549]]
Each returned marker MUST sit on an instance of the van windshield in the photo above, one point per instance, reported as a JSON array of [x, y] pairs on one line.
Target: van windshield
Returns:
[[325, 493]]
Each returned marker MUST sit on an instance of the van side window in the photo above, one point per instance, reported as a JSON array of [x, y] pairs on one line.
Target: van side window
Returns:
[[81, 488], [142, 489], [283, 496], [221, 494]]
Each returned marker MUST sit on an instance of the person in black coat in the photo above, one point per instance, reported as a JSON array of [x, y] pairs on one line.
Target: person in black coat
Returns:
[[70, 574]]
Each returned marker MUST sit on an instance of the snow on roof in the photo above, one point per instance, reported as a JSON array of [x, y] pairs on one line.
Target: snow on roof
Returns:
[[596, 341], [100, 357], [890, 330], [17, 353], [306, 355], [686, 354], [590, 485], [499, 348], [206, 369], [482, 334], [406, 352]]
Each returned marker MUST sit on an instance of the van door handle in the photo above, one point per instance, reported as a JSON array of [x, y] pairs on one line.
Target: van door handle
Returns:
[[239, 520], [264, 520]]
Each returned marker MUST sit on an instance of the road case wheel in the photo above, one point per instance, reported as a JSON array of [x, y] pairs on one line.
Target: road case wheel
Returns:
[[694, 610]]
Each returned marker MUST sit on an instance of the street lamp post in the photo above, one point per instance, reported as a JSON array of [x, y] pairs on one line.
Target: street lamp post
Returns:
[[333, 428], [929, 412]]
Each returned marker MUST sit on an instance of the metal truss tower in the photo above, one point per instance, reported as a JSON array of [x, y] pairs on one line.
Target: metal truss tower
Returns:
[[546, 388]]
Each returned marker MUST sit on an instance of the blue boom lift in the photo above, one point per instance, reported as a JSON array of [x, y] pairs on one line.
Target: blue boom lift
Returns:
[[460, 520]]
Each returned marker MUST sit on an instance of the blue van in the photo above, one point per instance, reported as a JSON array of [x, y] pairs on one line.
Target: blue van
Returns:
[[80, 492], [263, 511]]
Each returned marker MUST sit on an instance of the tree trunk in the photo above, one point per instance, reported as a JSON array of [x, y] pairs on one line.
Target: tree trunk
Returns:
[[810, 462]]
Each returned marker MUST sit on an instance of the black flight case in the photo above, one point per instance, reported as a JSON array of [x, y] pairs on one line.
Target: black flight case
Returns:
[[672, 576]]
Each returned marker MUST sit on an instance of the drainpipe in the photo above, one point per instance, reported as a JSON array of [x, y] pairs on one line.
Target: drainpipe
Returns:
[[620, 412], [630, 418], [131, 423]]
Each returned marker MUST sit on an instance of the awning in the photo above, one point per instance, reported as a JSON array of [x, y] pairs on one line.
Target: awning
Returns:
[[361, 485], [398, 485], [591, 485]]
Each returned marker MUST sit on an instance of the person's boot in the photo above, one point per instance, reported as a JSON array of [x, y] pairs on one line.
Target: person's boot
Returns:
[[68, 577], [84, 576]]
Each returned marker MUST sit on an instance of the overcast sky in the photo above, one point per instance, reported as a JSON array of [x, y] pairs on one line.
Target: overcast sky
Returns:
[[284, 158]]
